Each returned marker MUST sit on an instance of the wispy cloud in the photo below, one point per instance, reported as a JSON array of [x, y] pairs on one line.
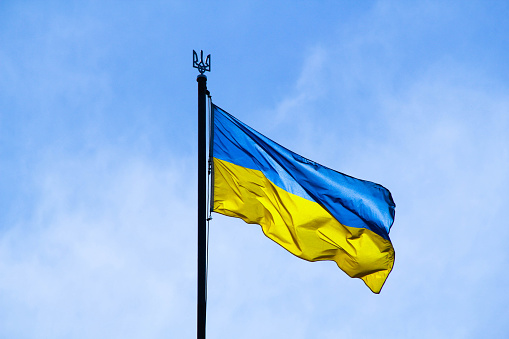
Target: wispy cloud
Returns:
[[103, 253]]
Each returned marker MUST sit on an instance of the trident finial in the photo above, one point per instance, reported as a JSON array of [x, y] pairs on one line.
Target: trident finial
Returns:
[[202, 66]]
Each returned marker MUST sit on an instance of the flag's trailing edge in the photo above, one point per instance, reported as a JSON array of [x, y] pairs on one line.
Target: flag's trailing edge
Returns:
[[312, 211]]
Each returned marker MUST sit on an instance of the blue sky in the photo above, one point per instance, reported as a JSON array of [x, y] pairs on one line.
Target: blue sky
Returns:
[[98, 164]]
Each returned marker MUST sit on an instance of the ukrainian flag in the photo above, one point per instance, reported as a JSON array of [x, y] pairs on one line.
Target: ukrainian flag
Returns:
[[312, 211]]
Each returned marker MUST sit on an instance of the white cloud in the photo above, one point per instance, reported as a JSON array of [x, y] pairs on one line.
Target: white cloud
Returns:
[[103, 254]]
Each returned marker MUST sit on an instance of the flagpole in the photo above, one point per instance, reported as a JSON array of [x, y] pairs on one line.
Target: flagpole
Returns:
[[202, 192]]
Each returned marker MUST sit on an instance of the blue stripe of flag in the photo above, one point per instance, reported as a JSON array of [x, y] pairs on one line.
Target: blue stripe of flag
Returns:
[[353, 202]]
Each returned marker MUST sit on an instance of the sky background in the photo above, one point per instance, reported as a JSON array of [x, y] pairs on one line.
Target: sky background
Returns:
[[98, 138]]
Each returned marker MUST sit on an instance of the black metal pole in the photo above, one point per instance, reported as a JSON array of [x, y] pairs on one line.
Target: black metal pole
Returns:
[[203, 66], [202, 205]]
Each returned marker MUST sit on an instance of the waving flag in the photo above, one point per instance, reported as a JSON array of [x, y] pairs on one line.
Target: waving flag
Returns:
[[314, 212]]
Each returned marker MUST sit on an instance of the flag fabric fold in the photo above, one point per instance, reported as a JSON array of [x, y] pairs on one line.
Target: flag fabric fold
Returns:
[[312, 211]]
